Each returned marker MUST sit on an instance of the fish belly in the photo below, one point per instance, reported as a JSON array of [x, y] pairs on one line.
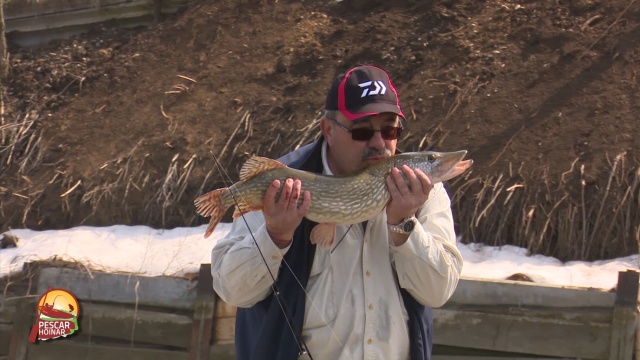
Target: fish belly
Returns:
[[337, 200]]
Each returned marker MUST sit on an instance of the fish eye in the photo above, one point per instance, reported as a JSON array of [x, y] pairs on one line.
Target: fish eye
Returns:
[[431, 158]]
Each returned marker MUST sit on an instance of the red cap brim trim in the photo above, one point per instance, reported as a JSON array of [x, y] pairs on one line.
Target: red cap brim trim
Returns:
[[342, 98]]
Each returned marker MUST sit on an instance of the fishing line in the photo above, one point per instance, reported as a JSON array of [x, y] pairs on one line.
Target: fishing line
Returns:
[[302, 350], [342, 238], [224, 173]]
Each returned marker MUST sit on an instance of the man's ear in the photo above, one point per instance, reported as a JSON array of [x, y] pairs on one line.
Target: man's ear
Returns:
[[326, 126]]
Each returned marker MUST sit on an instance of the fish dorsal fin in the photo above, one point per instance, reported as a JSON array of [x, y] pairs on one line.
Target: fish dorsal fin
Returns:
[[256, 165]]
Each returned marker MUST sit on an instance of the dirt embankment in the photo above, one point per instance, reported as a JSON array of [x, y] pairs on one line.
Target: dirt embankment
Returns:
[[115, 126]]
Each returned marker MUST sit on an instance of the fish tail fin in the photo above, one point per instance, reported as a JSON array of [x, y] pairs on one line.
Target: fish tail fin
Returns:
[[214, 204]]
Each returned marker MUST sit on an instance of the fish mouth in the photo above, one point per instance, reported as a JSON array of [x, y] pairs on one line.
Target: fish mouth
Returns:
[[375, 158], [460, 168], [455, 165]]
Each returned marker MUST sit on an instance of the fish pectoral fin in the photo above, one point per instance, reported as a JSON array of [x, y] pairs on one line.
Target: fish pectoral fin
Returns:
[[243, 208], [324, 235], [256, 165]]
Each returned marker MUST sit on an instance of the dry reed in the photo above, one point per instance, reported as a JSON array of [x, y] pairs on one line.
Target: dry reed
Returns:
[[569, 217], [572, 220]]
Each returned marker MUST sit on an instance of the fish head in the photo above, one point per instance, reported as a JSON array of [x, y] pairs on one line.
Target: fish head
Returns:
[[438, 166]]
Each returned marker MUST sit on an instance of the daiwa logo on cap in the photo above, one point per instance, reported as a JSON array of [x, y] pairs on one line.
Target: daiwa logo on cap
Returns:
[[58, 312], [363, 91], [380, 88]]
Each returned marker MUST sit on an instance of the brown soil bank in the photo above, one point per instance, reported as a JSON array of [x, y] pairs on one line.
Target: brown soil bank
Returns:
[[115, 127]]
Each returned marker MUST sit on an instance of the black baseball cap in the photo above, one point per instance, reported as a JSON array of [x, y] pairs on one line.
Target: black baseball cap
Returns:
[[363, 91]]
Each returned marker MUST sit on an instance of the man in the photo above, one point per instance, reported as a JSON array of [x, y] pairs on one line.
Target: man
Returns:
[[369, 297]]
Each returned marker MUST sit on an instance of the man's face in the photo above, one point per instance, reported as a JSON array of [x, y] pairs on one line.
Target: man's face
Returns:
[[346, 155]]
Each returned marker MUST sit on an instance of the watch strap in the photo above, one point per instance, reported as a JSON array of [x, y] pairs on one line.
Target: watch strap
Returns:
[[400, 227]]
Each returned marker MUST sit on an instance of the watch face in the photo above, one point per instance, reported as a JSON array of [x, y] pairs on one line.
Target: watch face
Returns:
[[408, 226]]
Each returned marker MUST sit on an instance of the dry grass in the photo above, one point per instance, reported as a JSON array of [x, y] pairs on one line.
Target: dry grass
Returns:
[[21, 146], [23, 284], [22, 150], [171, 188], [569, 219]]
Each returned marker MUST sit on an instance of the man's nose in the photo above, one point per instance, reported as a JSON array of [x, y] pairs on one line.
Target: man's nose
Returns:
[[377, 142]]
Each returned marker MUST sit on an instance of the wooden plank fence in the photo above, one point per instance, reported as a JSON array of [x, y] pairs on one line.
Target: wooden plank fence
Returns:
[[39, 21], [126, 316]]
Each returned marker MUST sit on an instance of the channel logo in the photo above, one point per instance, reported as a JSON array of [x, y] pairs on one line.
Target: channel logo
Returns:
[[58, 312]]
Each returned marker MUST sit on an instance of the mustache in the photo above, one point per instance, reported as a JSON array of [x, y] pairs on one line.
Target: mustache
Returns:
[[371, 152]]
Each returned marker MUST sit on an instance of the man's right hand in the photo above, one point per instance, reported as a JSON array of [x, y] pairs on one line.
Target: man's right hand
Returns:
[[284, 215]]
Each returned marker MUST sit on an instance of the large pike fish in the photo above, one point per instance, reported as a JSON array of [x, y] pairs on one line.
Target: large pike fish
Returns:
[[334, 199]]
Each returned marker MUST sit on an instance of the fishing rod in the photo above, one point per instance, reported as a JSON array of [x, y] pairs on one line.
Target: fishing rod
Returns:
[[302, 345]]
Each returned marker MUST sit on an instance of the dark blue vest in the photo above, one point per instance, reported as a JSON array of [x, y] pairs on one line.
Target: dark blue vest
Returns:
[[262, 332]]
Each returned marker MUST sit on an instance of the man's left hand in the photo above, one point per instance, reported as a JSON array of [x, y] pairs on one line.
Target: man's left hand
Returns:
[[405, 200]]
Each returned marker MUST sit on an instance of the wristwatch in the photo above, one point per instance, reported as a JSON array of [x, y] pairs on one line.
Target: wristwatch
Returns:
[[405, 227]]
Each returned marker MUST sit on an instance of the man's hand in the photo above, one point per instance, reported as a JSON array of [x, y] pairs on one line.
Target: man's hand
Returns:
[[284, 216], [406, 201]]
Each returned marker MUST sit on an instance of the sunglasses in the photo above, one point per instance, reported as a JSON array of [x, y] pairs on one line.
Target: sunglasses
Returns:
[[366, 134]]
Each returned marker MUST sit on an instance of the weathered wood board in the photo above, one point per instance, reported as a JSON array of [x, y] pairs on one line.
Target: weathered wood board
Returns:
[[6, 331], [90, 15], [224, 331], [203, 316], [527, 334], [27, 8], [517, 293], [625, 315], [150, 326], [157, 291], [224, 310], [471, 357], [69, 350], [223, 352], [7, 311], [225, 323], [29, 23]]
